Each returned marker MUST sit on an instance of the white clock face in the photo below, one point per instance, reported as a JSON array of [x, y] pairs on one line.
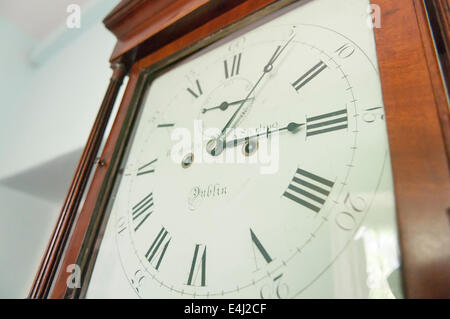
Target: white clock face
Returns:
[[294, 211]]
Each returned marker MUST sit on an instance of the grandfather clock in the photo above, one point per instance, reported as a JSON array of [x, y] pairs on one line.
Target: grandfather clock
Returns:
[[264, 149]]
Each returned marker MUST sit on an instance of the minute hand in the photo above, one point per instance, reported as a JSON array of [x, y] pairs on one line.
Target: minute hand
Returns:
[[291, 127], [267, 68]]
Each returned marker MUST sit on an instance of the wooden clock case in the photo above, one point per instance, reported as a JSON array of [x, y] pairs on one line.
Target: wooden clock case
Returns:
[[152, 34]]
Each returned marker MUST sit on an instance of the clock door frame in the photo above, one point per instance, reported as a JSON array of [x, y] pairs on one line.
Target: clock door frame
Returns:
[[154, 34]]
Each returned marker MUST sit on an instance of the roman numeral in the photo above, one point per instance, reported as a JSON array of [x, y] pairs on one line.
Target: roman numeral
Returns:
[[308, 76], [199, 90], [198, 265], [309, 190], [144, 169], [158, 248], [138, 210], [234, 66], [326, 122], [260, 247]]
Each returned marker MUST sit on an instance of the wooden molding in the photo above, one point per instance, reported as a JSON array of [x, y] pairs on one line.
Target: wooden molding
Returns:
[[439, 18], [439, 13], [53, 254]]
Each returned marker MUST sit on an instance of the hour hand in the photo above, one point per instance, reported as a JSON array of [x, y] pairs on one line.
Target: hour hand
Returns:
[[224, 105]]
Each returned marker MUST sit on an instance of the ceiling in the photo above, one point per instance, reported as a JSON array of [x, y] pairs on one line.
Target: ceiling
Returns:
[[37, 18]]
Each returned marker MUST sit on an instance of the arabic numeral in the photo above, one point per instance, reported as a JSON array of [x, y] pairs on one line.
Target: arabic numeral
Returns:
[[345, 51], [237, 44], [370, 115], [357, 203], [136, 281], [346, 219], [121, 225], [277, 289]]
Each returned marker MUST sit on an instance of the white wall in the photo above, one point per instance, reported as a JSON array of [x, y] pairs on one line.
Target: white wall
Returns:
[[25, 222], [46, 113]]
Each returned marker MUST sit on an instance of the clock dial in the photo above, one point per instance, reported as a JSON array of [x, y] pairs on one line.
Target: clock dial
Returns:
[[255, 167]]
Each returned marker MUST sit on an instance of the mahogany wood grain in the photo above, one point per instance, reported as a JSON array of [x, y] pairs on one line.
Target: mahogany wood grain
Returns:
[[160, 20], [412, 93], [214, 25]]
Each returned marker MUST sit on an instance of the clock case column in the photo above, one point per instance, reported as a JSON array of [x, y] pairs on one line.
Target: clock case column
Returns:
[[53, 254]]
